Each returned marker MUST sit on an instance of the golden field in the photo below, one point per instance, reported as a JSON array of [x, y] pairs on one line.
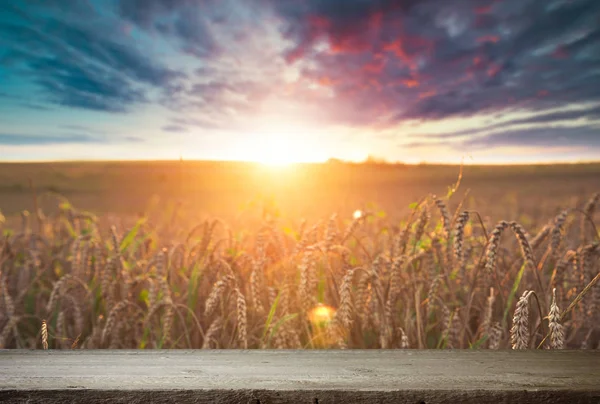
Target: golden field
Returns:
[[239, 255]]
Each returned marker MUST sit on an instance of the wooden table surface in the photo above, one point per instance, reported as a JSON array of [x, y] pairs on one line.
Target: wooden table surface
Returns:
[[310, 376]]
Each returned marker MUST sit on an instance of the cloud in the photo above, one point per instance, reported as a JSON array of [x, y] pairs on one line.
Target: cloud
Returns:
[[592, 113], [174, 129], [26, 140], [12, 139], [80, 65], [586, 137], [436, 60], [36, 107], [133, 139], [231, 65], [187, 22], [83, 128]]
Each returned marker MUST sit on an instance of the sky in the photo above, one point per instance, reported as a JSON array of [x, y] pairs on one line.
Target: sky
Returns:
[[479, 81]]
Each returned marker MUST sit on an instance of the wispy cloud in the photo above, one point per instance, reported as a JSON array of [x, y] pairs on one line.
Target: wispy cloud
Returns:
[[174, 129], [587, 117], [541, 138], [24, 140], [79, 65], [13, 139]]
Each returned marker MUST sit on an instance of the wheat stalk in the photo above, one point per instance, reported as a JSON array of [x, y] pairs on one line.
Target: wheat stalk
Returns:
[[445, 214], [519, 333], [344, 312], [492, 247], [559, 222], [241, 318], [113, 318], [495, 334], [557, 337], [216, 294], [44, 332], [588, 213], [212, 331], [459, 234], [485, 327]]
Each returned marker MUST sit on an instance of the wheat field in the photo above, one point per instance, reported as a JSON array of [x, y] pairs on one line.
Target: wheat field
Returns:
[[441, 273]]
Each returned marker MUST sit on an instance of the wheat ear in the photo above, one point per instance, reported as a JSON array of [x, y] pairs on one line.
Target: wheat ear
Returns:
[[519, 333], [557, 337], [44, 334]]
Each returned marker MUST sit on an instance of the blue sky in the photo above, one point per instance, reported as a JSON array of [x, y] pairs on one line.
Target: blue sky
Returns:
[[275, 80]]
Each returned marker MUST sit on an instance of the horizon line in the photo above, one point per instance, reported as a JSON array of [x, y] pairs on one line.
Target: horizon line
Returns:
[[330, 161]]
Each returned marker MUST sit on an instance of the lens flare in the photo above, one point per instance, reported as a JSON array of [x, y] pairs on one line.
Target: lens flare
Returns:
[[321, 314]]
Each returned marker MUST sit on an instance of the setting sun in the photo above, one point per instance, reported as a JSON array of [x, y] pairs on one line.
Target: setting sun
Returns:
[[276, 151], [282, 150]]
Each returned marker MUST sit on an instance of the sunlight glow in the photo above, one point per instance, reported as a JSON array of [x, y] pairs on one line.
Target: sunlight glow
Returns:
[[282, 149], [321, 314], [276, 151]]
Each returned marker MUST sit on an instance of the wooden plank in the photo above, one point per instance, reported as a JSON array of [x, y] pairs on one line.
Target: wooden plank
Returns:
[[431, 376]]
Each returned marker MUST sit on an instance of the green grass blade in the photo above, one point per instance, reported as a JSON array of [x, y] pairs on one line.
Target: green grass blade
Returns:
[[270, 316], [278, 324], [192, 295], [128, 239], [513, 292], [478, 343]]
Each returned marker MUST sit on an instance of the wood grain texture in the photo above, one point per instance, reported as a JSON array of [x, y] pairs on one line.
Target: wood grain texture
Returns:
[[301, 376]]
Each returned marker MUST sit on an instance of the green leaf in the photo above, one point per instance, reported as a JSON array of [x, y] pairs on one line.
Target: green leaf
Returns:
[[70, 229], [452, 189], [139, 241], [413, 205], [143, 296], [65, 205], [513, 292], [279, 323], [192, 295], [144, 339], [441, 342], [478, 343], [131, 235], [321, 286], [271, 314], [126, 265], [288, 231]]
